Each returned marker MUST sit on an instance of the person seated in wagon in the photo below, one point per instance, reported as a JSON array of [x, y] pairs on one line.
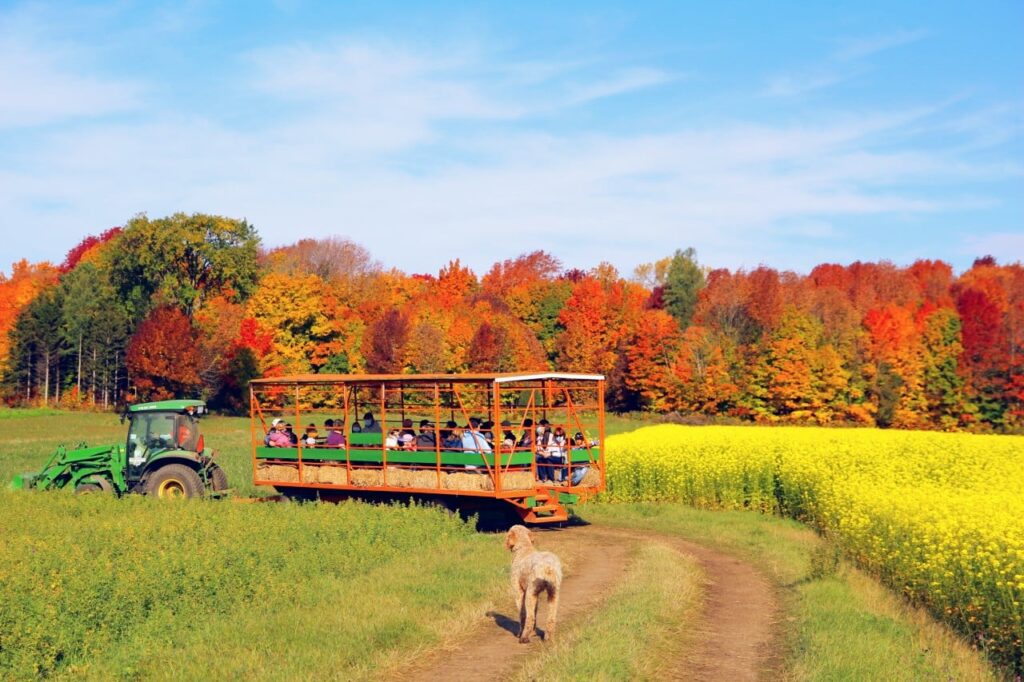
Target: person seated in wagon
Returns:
[[276, 437], [335, 437]]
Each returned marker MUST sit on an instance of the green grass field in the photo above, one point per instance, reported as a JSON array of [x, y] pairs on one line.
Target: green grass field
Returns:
[[102, 588]]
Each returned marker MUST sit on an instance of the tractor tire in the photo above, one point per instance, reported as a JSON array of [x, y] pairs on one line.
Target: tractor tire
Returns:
[[95, 484], [174, 481], [218, 479]]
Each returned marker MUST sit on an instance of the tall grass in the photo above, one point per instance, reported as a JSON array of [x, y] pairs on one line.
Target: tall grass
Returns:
[[96, 586]]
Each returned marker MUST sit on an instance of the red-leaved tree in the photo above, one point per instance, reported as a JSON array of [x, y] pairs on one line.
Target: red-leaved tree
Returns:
[[163, 356]]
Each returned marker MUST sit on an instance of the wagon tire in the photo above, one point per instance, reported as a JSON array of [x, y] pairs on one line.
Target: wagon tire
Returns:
[[174, 481], [218, 479]]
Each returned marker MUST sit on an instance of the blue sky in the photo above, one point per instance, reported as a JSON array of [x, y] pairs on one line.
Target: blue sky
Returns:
[[780, 133]]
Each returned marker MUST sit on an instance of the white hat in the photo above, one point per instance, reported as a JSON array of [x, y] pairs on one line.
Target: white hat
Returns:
[[276, 422]]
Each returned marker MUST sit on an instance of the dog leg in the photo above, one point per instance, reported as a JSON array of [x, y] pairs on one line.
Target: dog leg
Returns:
[[530, 613], [521, 608], [549, 629]]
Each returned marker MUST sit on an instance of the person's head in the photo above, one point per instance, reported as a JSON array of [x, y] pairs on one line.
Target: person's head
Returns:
[[393, 433], [277, 425], [450, 424], [368, 418], [559, 431], [528, 423], [425, 425], [406, 423], [578, 438], [329, 424], [311, 428], [544, 422], [474, 423]]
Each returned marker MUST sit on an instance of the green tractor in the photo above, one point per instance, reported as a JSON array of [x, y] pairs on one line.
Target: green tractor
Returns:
[[164, 457]]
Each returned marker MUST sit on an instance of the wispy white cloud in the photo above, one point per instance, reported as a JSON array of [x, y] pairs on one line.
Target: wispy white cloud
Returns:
[[1007, 247], [859, 48], [843, 64], [362, 143], [788, 84], [42, 84], [617, 83]]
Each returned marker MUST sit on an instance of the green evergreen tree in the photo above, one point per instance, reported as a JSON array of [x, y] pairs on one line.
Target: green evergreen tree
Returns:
[[683, 283]]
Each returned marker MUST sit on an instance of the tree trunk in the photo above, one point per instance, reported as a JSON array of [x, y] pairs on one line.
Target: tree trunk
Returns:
[[46, 377], [79, 366], [93, 385], [115, 376]]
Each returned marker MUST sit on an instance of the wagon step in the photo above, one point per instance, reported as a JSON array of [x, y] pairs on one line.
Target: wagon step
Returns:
[[545, 513]]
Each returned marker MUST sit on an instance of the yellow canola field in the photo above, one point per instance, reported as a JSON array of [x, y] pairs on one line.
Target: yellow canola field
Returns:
[[937, 516]]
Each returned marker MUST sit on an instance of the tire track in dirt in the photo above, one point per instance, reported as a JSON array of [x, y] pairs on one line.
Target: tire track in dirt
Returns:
[[736, 638]]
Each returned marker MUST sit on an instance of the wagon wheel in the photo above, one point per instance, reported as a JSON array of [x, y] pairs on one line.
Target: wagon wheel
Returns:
[[174, 481]]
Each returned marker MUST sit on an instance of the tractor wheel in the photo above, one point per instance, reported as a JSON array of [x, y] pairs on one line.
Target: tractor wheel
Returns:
[[173, 481], [218, 479], [95, 484]]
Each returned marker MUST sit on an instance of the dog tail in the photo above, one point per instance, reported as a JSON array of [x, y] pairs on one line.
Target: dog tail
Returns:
[[549, 577]]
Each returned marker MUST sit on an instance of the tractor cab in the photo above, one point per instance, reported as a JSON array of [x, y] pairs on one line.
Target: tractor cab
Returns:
[[169, 425]]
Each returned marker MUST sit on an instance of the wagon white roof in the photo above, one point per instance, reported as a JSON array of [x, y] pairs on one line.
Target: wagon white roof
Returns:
[[496, 377]]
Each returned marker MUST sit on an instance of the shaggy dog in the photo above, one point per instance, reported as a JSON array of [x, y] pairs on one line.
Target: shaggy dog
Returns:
[[533, 572]]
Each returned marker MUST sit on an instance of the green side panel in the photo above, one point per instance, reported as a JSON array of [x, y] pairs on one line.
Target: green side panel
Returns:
[[366, 439], [374, 456], [531, 502], [585, 456], [568, 498]]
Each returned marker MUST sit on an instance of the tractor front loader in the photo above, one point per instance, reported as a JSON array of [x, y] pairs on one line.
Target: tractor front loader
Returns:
[[164, 456]]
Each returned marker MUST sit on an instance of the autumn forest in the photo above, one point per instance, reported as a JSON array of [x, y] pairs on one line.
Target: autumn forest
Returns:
[[193, 305]]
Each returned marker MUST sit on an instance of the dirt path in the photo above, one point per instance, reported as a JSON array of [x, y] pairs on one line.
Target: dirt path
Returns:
[[736, 638], [594, 564], [737, 633]]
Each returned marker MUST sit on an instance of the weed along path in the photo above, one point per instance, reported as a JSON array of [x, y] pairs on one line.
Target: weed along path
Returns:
[[732, 636]]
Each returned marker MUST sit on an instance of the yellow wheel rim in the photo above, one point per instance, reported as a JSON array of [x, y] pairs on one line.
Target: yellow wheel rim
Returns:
[[172, 487]]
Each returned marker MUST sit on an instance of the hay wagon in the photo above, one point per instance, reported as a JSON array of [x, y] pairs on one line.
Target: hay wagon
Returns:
[[531, 441]]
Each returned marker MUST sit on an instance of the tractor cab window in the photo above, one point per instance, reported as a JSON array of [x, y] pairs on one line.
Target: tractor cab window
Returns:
[[186, 433], [150, 432]]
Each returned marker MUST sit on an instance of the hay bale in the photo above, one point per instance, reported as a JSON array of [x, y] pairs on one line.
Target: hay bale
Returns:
[[367, 478], [334, 475], [407, 478], [467, 481], [518, 480], [591, 479], [277, 472]]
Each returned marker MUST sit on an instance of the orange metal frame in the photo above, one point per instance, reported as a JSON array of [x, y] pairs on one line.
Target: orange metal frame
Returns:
[[546, 395]]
